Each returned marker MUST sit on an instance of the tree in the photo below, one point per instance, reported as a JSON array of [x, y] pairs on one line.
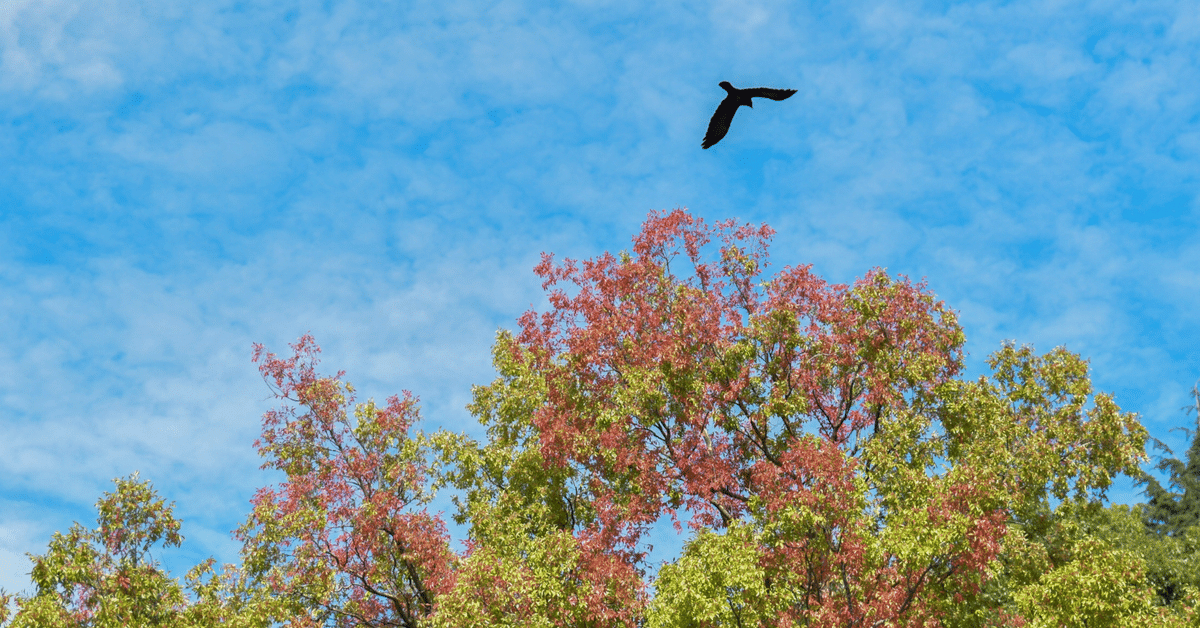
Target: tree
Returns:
[[820, 425], [836, 469], [1086, 565], [1174, 512], [1170, 538], [344, 540], [106, 576], [527, 563]]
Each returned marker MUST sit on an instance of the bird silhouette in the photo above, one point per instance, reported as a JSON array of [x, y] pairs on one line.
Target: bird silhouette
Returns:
[[719, 125]]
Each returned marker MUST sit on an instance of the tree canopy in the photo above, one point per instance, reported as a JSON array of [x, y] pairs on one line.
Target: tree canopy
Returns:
[[832, 464]]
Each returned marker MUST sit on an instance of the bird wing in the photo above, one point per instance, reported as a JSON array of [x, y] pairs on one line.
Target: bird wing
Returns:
[[767, 92], [719, 125]]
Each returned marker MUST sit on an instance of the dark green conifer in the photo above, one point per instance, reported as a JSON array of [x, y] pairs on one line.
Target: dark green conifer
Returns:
[[1172, 512]]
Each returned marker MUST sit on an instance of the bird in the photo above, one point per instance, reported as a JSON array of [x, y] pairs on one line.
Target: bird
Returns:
[[719, 125]]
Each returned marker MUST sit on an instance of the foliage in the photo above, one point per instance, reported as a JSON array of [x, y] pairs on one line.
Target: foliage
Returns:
[[1174, 512], [519, 574], [230, 598], [344, 540], [718, 581], [107, 576], [1086, 565], [833, 467], [1083, 564], [524, 516], [817, 427]]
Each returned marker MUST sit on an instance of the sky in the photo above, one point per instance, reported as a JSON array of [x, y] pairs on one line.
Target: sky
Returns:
[[180, 180]]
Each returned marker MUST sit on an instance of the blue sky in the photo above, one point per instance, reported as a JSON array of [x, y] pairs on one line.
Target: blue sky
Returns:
[[179, 180]]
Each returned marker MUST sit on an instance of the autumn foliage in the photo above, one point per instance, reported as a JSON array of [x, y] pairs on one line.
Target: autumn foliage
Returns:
[[832, 466], [345, 538]]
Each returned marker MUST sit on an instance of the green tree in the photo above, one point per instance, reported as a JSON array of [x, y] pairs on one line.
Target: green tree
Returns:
[[107, 576], [1169, 539], [1084, 564]]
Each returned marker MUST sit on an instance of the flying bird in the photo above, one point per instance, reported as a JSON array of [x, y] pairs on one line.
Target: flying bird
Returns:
[[719, 125]]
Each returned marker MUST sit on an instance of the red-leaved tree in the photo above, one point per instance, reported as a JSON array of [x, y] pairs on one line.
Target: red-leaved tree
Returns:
[[346, 537], [823, 419]]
